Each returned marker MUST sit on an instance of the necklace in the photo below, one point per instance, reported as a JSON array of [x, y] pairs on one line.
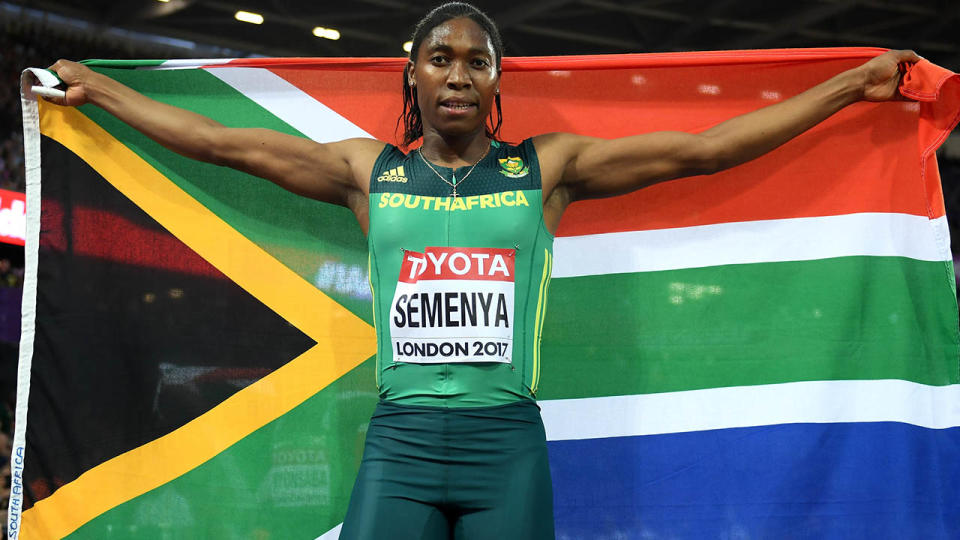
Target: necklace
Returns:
[[453, 182]]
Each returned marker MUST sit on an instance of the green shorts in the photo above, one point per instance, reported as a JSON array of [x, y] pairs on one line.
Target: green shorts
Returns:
[[453, 473]]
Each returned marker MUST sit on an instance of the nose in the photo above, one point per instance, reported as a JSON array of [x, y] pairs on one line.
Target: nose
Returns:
[[458, 77]]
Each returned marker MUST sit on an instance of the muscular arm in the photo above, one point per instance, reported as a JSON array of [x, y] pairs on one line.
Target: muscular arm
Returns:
[[335, 172], [586, 167]]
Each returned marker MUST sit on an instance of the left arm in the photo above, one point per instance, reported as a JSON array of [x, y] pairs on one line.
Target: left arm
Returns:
[[587, 167]]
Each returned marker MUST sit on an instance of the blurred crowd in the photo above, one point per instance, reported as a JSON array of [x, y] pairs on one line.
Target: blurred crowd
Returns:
[[25, 43], [11, 281], [6, 444]]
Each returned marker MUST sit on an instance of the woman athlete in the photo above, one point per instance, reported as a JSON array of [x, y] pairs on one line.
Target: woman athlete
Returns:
[[460, 238]]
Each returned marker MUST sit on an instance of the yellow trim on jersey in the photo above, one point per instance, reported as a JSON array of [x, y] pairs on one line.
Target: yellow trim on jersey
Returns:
[[541, 315], [546, 297], [373, 308]]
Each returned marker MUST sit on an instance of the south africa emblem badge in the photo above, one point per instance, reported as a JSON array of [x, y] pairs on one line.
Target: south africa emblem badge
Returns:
[[513, 167]]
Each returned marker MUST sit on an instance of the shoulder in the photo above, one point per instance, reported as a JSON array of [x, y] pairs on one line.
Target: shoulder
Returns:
[[561, 147], [556, 151], [360, 155], [359, 148]]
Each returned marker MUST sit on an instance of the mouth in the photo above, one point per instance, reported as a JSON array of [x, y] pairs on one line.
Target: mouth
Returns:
[[457, 106]]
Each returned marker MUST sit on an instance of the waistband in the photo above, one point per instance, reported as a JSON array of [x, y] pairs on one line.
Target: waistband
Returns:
[[519, 410]]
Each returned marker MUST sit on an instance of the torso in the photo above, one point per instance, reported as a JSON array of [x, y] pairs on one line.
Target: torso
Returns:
[[462, 326], [553, 153]]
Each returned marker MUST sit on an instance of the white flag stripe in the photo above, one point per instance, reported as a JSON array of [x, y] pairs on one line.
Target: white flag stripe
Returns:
[[289, 103], [332, 534], [189, 63], [934, 407], [796, 239]]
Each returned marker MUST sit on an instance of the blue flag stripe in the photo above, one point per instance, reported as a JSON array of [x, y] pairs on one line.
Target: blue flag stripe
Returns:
[[851, 480]]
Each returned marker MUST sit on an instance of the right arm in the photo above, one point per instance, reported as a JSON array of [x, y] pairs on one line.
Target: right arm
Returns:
[[334, 172]]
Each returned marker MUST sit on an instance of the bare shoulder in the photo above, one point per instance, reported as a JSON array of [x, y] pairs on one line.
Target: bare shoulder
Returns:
[[360, 154], [558, 144], [358, 150], [556, 151], [359, 147]]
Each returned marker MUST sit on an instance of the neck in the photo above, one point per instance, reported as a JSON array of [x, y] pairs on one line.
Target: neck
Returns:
[[454, 151]]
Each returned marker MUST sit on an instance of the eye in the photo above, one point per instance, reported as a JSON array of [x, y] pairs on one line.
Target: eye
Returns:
[[480, 62], [439, 59]]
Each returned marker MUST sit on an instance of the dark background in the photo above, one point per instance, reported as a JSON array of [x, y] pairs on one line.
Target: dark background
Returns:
[[544, 27]]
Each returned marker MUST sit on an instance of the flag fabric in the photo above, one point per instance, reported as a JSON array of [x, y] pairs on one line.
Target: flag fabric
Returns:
[[767, 352]]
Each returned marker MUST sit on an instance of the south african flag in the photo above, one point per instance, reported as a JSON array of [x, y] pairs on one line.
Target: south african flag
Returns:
[[769, 352]]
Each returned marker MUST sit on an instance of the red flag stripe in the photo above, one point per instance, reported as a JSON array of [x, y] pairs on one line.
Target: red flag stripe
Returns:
[[849, 164]]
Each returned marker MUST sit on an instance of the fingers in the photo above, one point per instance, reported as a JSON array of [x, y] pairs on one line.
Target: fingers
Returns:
[[61, 66], [906, 55], [72, 79]]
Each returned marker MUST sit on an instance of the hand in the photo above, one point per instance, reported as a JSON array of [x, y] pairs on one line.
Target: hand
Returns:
[[74, 77], [881, 76]]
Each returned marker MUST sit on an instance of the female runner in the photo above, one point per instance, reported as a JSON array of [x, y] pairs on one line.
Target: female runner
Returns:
[[460, 239]]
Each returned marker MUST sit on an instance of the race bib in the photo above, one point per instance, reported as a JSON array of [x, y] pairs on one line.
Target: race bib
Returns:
[[454, 305]]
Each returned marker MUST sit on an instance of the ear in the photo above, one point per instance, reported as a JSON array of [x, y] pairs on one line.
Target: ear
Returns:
[[411, 77]]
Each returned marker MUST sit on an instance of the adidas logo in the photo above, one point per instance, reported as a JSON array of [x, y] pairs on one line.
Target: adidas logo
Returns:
[[393, 175]]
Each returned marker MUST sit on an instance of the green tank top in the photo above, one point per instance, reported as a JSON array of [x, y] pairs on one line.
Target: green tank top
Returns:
[[459, 283]]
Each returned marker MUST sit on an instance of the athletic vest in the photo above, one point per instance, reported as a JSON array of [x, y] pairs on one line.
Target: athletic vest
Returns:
[[459, 283]]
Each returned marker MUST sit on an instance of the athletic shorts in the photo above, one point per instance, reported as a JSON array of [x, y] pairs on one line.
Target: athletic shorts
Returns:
[[453, 473]]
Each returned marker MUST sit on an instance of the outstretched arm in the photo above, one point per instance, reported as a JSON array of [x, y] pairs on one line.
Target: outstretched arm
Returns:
[[588, 167], [334, 172]]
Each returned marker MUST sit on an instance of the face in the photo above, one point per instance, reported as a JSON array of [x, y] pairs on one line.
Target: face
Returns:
[[456, 78]]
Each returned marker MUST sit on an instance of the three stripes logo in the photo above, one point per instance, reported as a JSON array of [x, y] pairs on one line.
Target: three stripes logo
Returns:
[[393, 175]]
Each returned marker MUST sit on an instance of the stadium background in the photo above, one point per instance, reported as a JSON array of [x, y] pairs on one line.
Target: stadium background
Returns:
[[36, 33]]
